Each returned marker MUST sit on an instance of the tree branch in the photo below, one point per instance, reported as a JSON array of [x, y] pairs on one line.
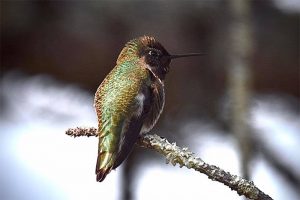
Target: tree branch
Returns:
[[184, 157]]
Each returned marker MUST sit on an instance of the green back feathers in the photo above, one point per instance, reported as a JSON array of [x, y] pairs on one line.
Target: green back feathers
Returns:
[[114, 101]]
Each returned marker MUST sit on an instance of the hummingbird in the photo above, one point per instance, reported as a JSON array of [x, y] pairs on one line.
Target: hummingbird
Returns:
[[130, 100]]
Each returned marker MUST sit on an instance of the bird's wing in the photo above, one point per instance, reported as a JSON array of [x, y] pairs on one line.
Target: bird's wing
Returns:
[[157, 101], [152, 98], [134, 124], [117, 107]]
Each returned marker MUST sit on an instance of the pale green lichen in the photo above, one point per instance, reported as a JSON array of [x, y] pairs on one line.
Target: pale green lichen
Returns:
[[183, 157]]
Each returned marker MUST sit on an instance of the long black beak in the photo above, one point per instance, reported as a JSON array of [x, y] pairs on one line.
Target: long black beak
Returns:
[[186, 55]]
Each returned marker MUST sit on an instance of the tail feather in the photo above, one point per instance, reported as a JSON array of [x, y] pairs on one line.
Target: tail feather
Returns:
[[104, 165], [101, 174]]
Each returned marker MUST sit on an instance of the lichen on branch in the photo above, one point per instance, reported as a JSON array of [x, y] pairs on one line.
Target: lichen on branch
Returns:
[[184, 157]]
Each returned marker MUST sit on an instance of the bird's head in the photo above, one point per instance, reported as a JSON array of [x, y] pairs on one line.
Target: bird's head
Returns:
[[149, 51]]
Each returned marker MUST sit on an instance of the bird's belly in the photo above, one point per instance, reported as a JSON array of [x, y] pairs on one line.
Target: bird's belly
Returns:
[[139, 106]]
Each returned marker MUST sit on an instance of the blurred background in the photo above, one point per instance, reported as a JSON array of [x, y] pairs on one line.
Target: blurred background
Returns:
[[237, 107]]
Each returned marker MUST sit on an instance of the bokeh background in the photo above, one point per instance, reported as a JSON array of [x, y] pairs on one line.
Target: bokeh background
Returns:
[[237, 107]]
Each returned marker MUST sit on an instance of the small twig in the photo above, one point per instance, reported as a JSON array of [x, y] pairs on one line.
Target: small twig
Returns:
[[82, 131], [183, 157]]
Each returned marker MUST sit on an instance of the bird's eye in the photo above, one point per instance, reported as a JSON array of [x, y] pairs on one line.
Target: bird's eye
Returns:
[[153, 53]]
